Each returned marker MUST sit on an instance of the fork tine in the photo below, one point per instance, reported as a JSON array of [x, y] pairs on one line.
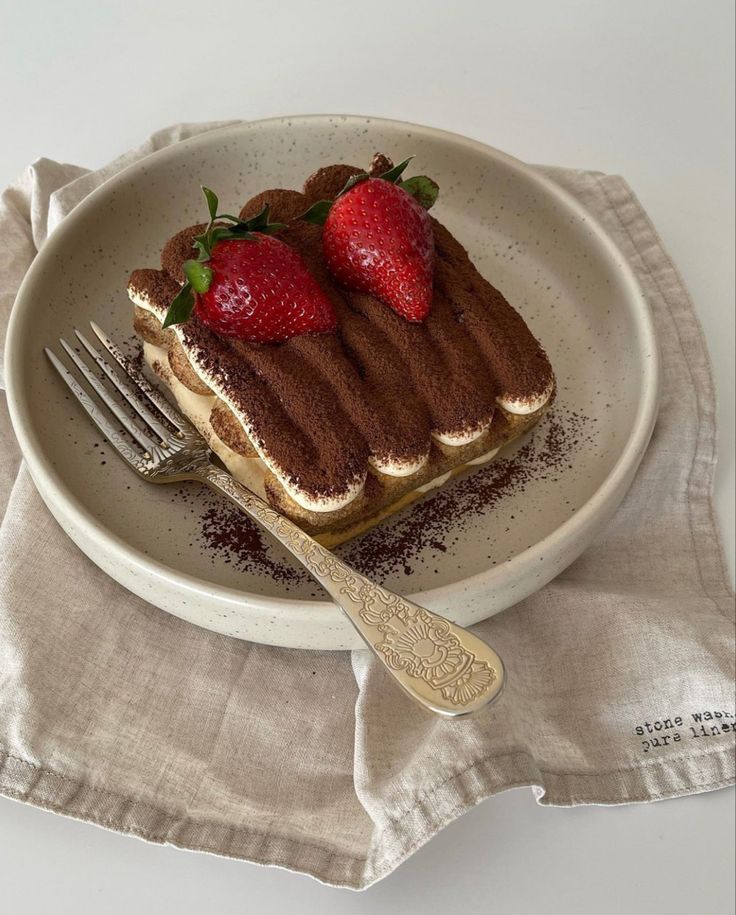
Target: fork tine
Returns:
[[126, 390], [157, 399], [124, 449], [105, 396]]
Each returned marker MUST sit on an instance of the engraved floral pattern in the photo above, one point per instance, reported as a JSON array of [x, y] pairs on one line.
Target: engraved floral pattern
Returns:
[[423, 649], [474, 680], [411, 640]]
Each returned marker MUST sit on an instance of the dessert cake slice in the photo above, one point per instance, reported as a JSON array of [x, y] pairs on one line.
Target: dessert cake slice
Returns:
[[362, 402]]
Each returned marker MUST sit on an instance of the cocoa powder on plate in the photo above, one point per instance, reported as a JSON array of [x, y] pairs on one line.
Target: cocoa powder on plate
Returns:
[[430, 527]]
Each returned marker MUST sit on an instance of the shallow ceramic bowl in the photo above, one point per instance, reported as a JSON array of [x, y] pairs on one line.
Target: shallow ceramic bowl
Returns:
[[527, 236]]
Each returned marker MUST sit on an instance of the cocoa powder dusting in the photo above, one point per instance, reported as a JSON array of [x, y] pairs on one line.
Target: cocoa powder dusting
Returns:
[[423, 530], [237, 540], [133, 351]]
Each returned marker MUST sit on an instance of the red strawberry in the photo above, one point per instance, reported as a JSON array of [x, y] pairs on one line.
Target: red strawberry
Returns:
[[378, 239], [261, 290], [247, 284]]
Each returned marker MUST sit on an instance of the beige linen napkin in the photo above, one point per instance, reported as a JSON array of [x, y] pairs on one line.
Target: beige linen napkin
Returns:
[[117, 713]]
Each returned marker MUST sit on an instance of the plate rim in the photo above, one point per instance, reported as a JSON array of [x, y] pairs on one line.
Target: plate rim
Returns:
[[60, 500]]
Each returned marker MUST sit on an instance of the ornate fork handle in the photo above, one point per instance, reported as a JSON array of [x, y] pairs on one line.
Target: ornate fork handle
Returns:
[[442, 666]]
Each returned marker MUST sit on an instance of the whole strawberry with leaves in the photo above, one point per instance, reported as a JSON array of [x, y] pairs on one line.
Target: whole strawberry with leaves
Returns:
[[377, 238], [247, 284]]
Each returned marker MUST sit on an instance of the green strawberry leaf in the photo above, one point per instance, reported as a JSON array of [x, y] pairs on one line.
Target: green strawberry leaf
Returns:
[[317, 213], [198, 274], [220, 233], [394, 174], [181, 307], [237, 230], [260, 223], [212, 202], [352, 181], [244, 228], [271, 228], [422, 189], [202, 250], [260, 219]]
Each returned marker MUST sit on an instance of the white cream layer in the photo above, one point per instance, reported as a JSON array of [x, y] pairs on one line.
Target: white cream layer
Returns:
[[462, 436], [251, 472], [524, 406], [398, 468], [443, 478]]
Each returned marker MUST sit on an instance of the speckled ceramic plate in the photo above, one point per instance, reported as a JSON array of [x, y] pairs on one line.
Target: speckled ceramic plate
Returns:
[[539, 509]]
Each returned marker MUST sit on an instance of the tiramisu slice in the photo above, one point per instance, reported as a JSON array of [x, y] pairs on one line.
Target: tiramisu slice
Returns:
[[346, 356]]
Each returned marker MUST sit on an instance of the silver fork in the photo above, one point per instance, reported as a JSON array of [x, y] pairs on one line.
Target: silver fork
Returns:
[[444, 667]]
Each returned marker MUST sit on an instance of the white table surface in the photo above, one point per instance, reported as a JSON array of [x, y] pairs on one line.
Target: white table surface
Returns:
[[642, 89]]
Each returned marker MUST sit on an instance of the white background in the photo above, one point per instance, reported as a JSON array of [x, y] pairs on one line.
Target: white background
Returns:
[[643, 89]]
